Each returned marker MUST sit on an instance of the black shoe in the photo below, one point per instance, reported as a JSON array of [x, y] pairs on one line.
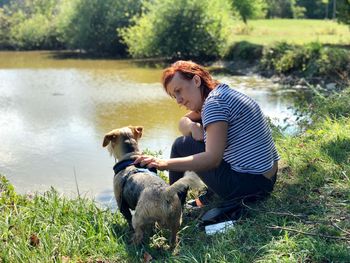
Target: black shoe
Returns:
[[201, 201], [224, 212]]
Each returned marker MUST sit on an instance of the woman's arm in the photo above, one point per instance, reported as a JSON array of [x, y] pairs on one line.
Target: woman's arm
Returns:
[[211, 158], [189, 126]]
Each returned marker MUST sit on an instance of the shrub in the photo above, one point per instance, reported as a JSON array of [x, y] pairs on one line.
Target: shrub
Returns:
[[272, 54], [244, 50], [31, 24], [184, 28], [92, 25], [333, 61], [311, 60], [32, 33], [299, 59], [4, 30]]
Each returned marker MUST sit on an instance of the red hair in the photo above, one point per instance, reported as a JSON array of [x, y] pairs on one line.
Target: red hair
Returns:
[[187, 70]]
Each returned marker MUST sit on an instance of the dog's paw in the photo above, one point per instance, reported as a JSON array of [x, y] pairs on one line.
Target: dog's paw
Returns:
[[137, 239]]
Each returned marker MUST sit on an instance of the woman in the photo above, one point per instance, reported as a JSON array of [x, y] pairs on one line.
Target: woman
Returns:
[[226, 141]]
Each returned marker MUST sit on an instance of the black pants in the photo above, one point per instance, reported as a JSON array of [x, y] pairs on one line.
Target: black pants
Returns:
[[225, 182]]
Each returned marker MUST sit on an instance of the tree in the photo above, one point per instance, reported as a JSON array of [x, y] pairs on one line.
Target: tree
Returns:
[[4, 30], [343, 11], [250, 8], [92, 25], [183, 28], [30, 23]]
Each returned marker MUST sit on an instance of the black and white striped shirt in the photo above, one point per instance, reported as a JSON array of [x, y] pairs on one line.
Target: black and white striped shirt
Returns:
[[250, 148]]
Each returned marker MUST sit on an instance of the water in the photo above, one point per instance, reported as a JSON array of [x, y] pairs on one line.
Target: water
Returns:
[[54, 114]]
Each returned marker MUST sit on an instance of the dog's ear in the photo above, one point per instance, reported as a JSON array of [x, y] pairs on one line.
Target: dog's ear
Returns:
[[137, 131], [108, 138]]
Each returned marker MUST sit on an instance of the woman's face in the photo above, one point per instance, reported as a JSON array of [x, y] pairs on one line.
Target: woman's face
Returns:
[[186, 92]]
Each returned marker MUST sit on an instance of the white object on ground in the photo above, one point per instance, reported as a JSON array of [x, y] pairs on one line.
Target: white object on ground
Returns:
[[219, 227]]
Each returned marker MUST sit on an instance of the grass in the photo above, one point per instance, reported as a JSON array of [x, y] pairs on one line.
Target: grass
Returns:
[[293, 31], [305, 220]]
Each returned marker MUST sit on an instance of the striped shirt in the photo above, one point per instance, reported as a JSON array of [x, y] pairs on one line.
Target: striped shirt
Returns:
[[250, 148]]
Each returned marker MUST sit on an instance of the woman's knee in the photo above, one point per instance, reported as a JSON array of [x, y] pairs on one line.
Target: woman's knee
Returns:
[[185, 146], [174, 148]]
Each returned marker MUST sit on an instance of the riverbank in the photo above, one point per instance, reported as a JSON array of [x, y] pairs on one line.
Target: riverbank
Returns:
[[290, 65], [305, 219]]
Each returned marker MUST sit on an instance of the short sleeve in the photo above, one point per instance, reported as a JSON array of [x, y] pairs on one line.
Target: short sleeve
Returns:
[[213, 111]]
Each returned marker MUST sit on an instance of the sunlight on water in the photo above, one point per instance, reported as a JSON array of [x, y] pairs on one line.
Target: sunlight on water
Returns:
[[55, 112]]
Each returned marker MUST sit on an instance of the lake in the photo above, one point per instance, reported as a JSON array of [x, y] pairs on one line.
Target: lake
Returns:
[[54, 113]]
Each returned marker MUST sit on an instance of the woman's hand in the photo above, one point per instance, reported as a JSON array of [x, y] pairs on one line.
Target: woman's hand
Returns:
[[151, 162], [197, 131]]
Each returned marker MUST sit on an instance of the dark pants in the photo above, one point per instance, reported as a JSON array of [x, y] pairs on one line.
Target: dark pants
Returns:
[[225, 182]]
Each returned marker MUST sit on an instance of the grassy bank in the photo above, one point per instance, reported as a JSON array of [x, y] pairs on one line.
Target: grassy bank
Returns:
[[292, 31], [307, 218]]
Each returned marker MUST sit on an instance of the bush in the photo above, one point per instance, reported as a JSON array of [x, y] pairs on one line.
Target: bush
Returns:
[[311, 60], [4, 30], [32, 33], [30, 24], [333, 61], [92, 25], [184, 28], [272, 54], [244, 50], [299, 59]]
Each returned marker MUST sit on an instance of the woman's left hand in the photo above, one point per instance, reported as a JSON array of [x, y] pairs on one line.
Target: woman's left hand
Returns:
[[151, 162]]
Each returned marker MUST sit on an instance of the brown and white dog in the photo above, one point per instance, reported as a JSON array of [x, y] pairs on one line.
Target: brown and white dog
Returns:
[[142, 190]]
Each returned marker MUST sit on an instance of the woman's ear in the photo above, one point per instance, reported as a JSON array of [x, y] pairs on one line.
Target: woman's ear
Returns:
[[197, 81]]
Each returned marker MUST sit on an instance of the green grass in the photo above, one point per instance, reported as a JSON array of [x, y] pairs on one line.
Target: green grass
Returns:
[[305, 220], [293, 31]]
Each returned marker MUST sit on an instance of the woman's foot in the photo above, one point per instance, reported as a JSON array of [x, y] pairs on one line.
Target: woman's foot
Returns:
[[200, 201]]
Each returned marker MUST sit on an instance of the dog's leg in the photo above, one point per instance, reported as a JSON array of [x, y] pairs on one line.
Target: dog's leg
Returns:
[[173, 238], [125, 210], [139, 228], [140, 222], [138, 236]]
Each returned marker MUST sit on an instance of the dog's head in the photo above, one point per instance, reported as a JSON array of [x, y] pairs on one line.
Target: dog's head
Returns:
[[123, 141]]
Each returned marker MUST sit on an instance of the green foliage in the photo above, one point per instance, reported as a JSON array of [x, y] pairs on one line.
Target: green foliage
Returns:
[[272, 54], [343, 11], [244, 50], [4, 30], [250, 9], [323, 105], [52, 228], [31, 24], [316, 9], [92, 25], [333, 61], [185, 28], [279, 8], [310, 60], [298, 59]]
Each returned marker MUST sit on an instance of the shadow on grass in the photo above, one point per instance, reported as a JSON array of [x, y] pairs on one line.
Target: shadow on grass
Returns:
[[338, 150]]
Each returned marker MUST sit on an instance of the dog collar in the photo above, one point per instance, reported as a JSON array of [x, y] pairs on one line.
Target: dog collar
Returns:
[[123, 164]]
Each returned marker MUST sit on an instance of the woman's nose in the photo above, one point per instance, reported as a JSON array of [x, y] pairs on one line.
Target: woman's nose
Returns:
[[178, 99]]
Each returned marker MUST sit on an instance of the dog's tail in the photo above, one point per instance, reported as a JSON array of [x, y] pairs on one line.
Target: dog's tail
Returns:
[[190, 180]]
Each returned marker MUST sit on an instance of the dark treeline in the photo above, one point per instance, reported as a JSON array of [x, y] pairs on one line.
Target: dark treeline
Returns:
[[145, 28]]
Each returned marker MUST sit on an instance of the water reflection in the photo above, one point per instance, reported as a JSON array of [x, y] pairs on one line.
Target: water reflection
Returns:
[[55, 112]]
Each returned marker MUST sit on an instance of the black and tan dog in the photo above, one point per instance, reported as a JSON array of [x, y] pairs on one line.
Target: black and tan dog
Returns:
[[142, 190]]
